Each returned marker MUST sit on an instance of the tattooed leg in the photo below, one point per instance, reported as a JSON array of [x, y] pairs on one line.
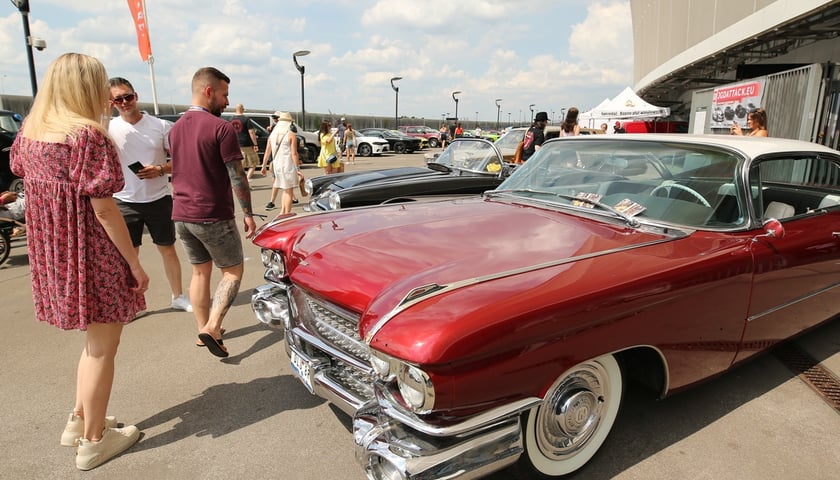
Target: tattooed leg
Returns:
[[225, 294]]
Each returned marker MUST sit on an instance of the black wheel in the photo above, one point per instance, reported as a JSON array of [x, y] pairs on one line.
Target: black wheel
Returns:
[[573, 421], [399, 147], [5, 246], [433, 142], [16, 185], [364, 150], [312, 154]]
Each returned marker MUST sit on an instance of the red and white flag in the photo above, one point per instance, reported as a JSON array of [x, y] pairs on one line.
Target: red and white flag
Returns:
[[138, 13]]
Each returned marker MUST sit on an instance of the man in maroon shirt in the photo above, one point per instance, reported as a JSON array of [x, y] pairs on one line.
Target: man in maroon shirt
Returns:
[[206, 172]]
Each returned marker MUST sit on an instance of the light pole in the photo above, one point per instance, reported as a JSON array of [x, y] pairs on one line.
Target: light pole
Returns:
[[396, 102], [509, 119], [456, 104], [23, 8], [498, 111], [476, 119], [302, 70], [531, 108]]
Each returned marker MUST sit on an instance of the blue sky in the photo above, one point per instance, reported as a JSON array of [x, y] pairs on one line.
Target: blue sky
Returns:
[[551, 53]]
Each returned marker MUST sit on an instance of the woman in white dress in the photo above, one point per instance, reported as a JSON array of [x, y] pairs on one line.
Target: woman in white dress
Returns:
[[282, 150]]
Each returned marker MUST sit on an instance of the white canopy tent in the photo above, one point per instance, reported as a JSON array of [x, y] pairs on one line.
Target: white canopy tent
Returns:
[[625, 106]]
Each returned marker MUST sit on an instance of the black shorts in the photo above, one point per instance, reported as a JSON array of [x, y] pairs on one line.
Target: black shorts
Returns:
[[155, 216]]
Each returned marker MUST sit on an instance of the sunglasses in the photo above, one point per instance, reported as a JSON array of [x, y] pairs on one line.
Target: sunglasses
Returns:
[[128, 97]]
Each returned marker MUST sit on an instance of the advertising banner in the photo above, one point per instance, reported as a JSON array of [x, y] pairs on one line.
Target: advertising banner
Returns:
[[732, 103], [138, 14]]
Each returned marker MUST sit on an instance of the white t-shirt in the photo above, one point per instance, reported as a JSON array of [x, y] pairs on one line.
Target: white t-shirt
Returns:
[[147, 142]]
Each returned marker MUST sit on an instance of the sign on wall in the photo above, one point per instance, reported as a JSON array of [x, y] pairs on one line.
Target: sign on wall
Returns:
[[732, 103]]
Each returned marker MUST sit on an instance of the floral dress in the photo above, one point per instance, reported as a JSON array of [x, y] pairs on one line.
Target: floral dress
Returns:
[[78, 275]]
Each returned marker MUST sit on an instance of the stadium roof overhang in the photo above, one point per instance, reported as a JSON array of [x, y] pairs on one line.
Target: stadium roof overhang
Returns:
[[721, 66]]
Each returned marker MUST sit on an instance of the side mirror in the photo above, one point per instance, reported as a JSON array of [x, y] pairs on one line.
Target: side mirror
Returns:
[[773, 229]]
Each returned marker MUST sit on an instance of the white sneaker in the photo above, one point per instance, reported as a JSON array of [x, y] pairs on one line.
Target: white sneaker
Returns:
[[113, 442], [75, 428], [181, 302]]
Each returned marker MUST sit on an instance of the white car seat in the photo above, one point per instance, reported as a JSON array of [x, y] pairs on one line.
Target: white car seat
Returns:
[[779, 210]]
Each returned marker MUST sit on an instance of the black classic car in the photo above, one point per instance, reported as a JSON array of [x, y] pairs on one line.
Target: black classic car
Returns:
[[9, 126], [468, 166], [398, 141]]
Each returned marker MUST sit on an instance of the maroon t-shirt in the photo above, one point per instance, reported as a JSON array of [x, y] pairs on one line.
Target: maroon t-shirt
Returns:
[[200, 145]]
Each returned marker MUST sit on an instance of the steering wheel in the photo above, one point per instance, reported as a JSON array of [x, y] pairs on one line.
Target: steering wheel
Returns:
[[669, 186]]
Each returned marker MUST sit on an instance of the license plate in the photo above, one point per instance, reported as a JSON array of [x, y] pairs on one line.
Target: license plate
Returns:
[[303, 370]]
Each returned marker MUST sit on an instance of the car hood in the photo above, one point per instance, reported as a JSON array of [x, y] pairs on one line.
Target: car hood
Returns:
[[375, 176], [369, 259]]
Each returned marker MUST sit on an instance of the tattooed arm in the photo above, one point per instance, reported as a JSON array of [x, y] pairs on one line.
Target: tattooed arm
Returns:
[[242, 191]]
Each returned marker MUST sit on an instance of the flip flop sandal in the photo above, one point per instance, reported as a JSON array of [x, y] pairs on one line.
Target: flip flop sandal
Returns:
[[216, 346], [201, 345]]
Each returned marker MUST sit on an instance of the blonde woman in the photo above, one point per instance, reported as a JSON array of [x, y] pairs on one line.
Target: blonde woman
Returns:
[[85, 271], [282, 149]]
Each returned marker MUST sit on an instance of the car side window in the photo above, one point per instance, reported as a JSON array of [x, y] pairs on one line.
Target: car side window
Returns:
[[794, 186]]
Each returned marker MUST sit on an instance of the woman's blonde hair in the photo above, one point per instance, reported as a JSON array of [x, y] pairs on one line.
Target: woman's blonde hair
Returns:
[[74, 95]]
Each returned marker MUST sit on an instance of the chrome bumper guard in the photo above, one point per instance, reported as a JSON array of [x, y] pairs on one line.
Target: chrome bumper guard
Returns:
[[270, 303], [388, 449]]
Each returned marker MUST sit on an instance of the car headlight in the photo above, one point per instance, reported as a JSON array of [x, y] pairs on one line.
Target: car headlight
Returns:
[[416, 388], [414, 385], [335, 201], [308, 186], [274, 263]]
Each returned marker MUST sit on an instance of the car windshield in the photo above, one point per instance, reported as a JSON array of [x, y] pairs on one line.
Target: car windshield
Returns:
[[472, 155], [659, 182], [10, 122], [510, 139]]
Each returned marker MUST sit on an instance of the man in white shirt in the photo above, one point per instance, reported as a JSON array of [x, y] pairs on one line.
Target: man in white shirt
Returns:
[[145, 201]]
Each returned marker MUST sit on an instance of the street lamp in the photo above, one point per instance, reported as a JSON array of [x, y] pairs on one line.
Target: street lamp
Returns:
[[302, 70], [531, 108], [40, 44], [456, 104], [498, 111], [476, 119], [396, 102], [509, 119]]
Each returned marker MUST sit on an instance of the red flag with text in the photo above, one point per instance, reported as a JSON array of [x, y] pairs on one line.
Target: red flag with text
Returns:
[[138, 13]]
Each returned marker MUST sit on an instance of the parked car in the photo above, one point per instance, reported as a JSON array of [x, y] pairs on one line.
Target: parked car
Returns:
[[398, 142], [9, 125], [466, 167], [468, 335], [422, 131], [262, 137], [509, 140]]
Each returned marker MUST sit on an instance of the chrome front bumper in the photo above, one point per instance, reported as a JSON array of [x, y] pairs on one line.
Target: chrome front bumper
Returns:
[[391, 444], [388, 449]]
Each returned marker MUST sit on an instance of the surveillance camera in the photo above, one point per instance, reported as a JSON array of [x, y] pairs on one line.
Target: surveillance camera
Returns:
[[39, 43]]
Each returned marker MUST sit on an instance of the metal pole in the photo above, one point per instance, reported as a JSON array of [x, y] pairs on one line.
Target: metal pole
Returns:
[[302, 70], [498, 111], [23, 8], [396, 102]]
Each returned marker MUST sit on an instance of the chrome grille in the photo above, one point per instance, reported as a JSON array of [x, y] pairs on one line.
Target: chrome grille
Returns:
[[338, 329]]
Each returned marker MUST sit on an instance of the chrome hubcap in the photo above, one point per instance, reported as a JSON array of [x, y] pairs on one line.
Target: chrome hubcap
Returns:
[[571, 412]]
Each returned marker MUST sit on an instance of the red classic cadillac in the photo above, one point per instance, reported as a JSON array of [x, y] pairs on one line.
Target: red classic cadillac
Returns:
[[469, 335]]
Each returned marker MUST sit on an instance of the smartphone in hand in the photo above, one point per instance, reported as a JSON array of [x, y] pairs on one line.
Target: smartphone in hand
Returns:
[[136, 167]]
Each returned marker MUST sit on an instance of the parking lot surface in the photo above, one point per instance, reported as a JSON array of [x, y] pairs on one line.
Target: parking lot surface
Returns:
[[247, 416]]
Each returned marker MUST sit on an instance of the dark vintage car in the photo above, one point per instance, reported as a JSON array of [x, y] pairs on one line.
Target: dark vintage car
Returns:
[[9, 126], [467, 166], [466, 336], [398, 142]]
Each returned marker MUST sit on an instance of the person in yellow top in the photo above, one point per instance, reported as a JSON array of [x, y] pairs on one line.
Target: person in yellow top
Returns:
[[328, 150]]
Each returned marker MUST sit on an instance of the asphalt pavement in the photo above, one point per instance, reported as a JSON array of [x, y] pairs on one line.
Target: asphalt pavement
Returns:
[[247, 416]]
